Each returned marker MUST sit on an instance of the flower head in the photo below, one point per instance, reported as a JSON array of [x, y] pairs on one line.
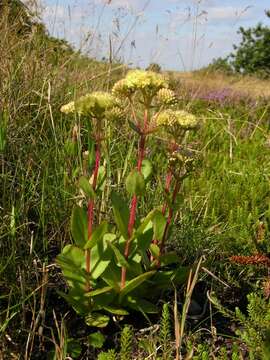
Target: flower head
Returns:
[[95, 104], [166, 97], [179, 118], [123, 88], [68, 108], [115, 114], [146, 80]]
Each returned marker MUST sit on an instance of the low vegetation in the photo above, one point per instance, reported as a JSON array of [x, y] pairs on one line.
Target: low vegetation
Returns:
[[134, 206]]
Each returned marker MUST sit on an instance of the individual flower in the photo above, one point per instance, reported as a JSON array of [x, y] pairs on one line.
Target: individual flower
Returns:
[[166, 97], [68, 108]]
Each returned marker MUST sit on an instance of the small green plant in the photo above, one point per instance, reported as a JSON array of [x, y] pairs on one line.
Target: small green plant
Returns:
[[165, 333], [127, 336], [110, 268], [109, 355], [254, 328]]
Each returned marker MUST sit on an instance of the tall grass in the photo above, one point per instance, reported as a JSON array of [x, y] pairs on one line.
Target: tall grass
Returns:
[[38, 74]]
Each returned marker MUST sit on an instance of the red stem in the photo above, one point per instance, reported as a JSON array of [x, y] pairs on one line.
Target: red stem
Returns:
[[169, 219], [167, 189], [141, 152], [164, 207], [133, 206], [90, 214]]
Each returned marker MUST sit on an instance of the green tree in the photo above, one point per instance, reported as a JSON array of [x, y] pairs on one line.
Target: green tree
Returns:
[[220, 65], [252, 55], [154, 67]]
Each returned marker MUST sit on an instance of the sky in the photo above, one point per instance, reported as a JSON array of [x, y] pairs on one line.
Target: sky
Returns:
[[177, 34]]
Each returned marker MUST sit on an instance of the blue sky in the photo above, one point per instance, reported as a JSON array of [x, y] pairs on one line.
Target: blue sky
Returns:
[[177, 34]]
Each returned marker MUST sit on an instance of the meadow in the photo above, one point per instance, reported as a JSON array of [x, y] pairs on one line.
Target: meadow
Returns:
[[219, 232]]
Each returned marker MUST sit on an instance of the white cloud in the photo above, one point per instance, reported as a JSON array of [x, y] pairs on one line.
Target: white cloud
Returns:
[[174, 44]]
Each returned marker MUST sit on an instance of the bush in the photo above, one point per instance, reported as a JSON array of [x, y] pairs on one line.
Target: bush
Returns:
[[252, 55]]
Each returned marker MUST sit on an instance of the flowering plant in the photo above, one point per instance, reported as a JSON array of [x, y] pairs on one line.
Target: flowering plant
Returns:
[[109, 268]]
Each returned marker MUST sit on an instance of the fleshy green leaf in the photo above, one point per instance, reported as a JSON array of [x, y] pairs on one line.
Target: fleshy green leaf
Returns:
[[79, 226], [147, 169], [96, 340], [121, 214], [141, 305], [101, 178], [77, 299], [145, 221], [74, 254], [159, 224], [112, 276], [99, 291], [97, 235], [144, 240], [169, 258], [137, 258], [155, 250], [101, 256], [86, 187], [135, 183], [134, 283], [71, 261], [74, 348], [165, 279], [115, 310], [97, 320], [120, 257]]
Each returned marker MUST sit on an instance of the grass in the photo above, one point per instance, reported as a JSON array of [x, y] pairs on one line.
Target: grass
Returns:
[[224, 203], [202, 80]]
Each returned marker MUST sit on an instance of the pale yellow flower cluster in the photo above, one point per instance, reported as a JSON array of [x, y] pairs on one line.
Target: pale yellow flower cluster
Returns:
[[179, 118], [147, 81], [115, 114], [166, 97], [123, 88], [94, 104], [68, 108]]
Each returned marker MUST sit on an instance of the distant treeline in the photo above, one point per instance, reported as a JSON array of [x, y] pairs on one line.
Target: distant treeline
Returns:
[[251, 56]]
